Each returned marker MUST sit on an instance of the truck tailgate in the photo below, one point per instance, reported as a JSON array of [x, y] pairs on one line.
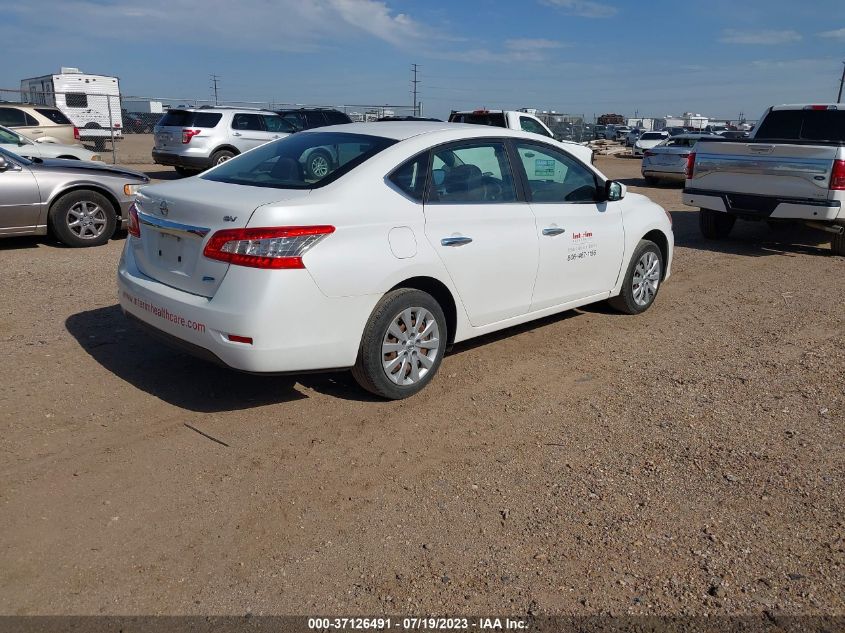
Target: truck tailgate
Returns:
[[769, 169]]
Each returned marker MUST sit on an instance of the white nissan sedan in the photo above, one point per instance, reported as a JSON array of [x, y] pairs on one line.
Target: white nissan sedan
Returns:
[[420, 235]]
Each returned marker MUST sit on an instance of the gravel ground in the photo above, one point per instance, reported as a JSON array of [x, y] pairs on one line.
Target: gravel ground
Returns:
[[685, 461]]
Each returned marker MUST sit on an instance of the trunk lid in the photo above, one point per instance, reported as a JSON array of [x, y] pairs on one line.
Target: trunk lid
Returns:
[[769, 169], [178, 218]]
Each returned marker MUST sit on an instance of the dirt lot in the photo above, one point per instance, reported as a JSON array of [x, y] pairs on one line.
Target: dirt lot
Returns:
[[685, 461]]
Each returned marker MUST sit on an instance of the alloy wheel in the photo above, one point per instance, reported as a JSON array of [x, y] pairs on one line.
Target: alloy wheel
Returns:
[[646, 278], [410, 346]]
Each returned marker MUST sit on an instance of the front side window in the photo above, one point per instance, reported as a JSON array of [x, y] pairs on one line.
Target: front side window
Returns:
[[8, 137], [282, 164], [477, 172], [554, 176], [530, 125], [12, 117], [315, 119], [296, 119], [76, 100], [277, 124], [242, 121]]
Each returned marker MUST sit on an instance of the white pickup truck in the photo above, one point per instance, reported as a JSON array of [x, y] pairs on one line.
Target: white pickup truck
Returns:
[[792, 168], [518, 120]]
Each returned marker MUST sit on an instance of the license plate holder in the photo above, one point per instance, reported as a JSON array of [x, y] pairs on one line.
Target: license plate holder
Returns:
[[169, 252]]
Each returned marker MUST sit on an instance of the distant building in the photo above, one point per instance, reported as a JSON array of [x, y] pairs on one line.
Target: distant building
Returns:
[[611, 119]]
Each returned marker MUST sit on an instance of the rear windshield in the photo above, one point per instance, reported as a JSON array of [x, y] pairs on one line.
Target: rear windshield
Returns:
[[803, 125], [496, 119], [185, 118], [54, 115], [300, 161]]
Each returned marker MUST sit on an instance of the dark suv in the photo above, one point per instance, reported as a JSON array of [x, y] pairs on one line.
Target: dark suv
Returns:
[[308, 118]]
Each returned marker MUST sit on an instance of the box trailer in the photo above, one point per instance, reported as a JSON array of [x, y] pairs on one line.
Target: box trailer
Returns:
[[91, 102]]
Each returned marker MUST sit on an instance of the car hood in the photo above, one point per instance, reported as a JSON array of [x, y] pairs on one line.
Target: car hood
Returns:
[[87, 168]]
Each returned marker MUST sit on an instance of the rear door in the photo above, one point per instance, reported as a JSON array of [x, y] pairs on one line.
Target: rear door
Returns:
[[248, 131], [581, 240], [20, 202], [484, 234]]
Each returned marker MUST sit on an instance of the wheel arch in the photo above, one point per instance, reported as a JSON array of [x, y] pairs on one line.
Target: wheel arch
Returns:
[[227, 148], [659, 237], [103, 191], [441, 294]]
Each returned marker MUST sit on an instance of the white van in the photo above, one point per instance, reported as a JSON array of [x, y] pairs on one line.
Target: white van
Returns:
[[91, 102]]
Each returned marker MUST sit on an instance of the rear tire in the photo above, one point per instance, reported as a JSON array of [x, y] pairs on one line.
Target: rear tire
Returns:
[[221, 156], [391, 363], [185, 172], [642, 280], [83, 218], [715, 225], [837, 244], [318, 165]]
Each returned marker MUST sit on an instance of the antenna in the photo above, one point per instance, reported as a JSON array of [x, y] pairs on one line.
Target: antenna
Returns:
[[841, 83], [414, 83], [214, 80]]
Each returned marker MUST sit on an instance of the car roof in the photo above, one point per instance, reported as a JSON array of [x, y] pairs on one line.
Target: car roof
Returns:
[[698, 136], [401, 130]]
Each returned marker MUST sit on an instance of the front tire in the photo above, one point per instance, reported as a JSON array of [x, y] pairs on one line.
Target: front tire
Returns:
[[402, 346], [715, 225], [83, 218], [642, 280]]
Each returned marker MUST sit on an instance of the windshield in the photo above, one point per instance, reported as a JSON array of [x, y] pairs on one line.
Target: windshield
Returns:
[[652, 136], [18, 159], [7, 136], [301, 161]]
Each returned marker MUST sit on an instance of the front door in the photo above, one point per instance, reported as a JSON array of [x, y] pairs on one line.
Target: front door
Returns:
[[484, 235], [20, 201], [581, 239], [248, 131]]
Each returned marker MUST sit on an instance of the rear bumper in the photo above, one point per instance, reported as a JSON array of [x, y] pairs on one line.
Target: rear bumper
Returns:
[[764, 206], [293, 325], [177, 160], [664, 175]]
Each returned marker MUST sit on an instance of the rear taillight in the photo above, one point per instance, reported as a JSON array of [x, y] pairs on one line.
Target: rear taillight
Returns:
[[648, 153], [271, 247], [75, 133], [134, 224], [837, 177], [188, 134], [690, 168]]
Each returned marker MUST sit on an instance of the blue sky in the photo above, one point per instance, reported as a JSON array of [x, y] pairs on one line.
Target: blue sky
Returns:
[[717, 57]]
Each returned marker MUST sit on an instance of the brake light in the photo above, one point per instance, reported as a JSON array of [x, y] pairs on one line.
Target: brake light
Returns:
[[188, 134], [820, 107], [690, 168], [279, 247], [134, 224], [75, 133], [237, 338], [837, 177]]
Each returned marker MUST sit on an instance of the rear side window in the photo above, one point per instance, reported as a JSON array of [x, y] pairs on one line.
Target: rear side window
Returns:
[[277, 124], [476, 172], [411, 177], [54, 115], [242, 121], [315, 119], [296, 119], [184, 118], [803, 125], [76, 100], [12, 117], [530, 125], [337, 118]]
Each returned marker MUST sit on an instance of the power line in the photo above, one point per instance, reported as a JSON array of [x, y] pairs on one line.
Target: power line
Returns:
[[214, 80]]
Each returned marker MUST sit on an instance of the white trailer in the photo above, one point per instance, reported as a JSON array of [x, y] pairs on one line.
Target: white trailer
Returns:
[[91, 102], [143, 106]]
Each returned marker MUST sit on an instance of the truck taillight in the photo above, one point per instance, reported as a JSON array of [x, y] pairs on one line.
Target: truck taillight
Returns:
[[75, 133], [690, 168], [134, 224], [272, 247], [837, 177], [188, 134]]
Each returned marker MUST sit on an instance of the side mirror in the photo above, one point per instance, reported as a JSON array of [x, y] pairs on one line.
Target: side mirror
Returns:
[[613, 191]]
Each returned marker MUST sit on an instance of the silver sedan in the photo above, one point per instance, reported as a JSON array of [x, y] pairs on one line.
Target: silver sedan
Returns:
[[80, 203], [668, 160]]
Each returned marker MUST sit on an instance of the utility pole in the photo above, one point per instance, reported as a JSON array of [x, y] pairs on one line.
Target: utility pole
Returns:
[[414, 83], [214, 80], [841, 83]]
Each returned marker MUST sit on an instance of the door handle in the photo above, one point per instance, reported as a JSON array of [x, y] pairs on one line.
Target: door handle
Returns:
[[236, 134], [455, 241], [553, 231]]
